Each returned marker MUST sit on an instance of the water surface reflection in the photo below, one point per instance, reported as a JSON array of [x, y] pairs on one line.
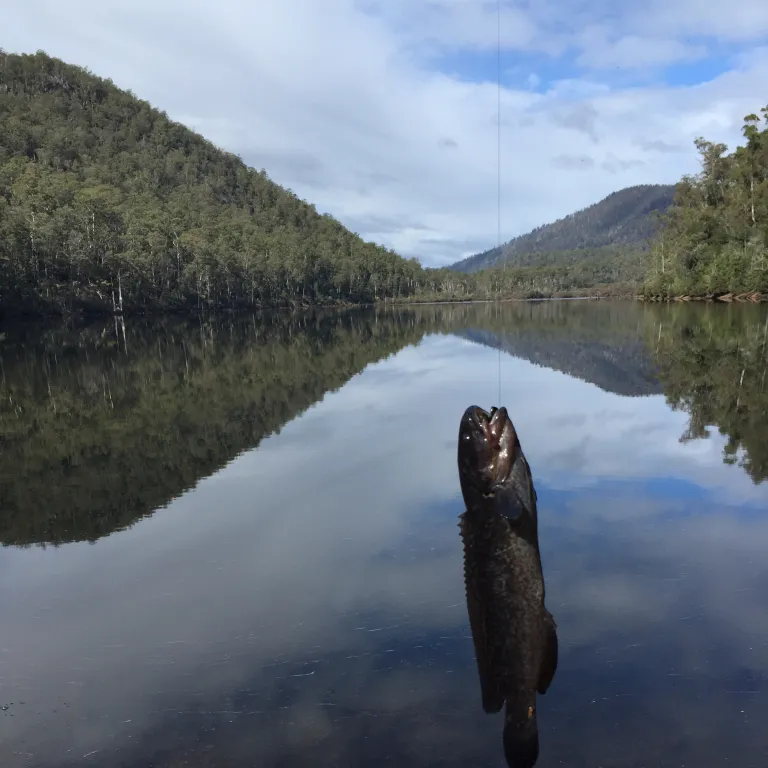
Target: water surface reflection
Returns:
[[297, 596]]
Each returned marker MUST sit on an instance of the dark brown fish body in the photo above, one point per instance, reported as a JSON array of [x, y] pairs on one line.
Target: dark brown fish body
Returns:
[[514, 634]]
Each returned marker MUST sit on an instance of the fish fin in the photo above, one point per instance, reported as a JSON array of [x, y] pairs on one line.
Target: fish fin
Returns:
[[493, 700], [491, 696], [518, 500], [521, 741], [549, 658], [511, 509]]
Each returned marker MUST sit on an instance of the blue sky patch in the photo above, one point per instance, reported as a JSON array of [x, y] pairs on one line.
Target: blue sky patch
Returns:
[[537, 72], [695, 72], [520, 71]]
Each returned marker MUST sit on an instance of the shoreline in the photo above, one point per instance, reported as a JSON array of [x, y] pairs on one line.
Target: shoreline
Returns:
[[95, 314], [753, 297], [92, 312]]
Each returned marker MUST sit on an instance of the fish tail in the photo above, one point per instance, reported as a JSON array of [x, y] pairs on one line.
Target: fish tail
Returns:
[[521, 739]]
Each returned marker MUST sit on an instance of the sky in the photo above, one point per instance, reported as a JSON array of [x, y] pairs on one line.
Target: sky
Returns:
[[385, 113]]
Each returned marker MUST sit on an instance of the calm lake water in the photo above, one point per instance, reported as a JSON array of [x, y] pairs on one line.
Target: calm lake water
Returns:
[[235, 543]]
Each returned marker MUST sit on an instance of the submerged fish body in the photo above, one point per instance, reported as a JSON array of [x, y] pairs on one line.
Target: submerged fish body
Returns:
[[515, 636]]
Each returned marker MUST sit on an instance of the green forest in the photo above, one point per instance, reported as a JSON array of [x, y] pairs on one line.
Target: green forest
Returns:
[[106, 203], [714, 238], [108, 206]]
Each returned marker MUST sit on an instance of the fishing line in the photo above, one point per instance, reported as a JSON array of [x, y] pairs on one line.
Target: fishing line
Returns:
[[498, 159]]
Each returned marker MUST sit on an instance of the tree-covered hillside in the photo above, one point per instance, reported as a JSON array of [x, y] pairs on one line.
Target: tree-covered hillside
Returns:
[[714, 239], [626, 219], [604, 271], [105, 203], [104, 199]]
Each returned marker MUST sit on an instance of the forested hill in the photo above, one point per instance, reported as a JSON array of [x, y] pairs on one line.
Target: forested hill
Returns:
[[715, 237], [104, 199], [624, 219]]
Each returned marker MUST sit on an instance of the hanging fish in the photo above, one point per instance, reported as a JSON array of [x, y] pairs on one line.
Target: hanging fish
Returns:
[[515, 636]]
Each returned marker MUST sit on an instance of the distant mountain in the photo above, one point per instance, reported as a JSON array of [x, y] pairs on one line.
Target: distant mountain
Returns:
[[623, 220]]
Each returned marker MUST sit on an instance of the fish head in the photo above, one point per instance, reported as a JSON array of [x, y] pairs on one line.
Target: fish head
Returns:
[[492, 469], [486, 444]]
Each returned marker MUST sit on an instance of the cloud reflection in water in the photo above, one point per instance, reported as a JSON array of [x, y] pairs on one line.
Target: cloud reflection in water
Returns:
[[305, 604]]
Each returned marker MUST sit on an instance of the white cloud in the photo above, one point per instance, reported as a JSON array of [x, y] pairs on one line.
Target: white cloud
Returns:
[[343, 102], [634, 51], [469, 24], [738, 21]]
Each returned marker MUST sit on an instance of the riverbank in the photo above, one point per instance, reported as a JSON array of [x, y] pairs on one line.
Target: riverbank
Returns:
[[94, 312], [82, 309], [97, 310]]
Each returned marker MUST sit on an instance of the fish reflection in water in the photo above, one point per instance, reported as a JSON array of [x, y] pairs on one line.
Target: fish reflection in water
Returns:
[[515, 636]]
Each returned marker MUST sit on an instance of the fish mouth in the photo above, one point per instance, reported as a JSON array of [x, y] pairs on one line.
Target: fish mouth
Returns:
[[486, 448]]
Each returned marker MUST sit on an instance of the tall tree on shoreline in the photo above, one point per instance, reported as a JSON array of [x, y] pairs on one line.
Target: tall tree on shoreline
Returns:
[[715, 235]]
